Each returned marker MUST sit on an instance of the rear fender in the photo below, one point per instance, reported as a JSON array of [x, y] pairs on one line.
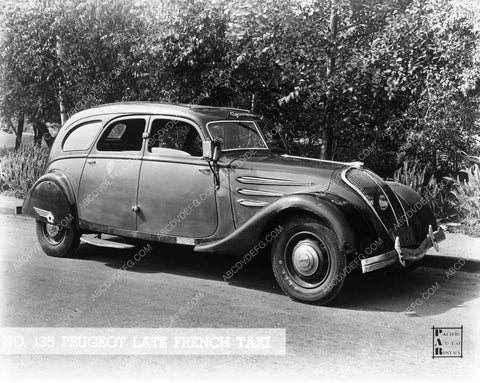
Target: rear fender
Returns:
[[51, 200]]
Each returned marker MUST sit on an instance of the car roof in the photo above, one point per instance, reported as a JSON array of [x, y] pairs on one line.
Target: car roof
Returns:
[[201, 114]]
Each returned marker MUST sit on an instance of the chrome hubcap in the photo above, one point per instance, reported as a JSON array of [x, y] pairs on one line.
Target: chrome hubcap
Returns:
[[52, 230], [53, 234], [306, 258]]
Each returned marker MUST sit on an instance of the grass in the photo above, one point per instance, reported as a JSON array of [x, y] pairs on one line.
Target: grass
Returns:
[[456, 198], [20, 169], [466, 197], [436, 194]]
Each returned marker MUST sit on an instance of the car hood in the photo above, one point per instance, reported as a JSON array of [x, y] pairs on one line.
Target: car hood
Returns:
[[283, 166], [258, 179]]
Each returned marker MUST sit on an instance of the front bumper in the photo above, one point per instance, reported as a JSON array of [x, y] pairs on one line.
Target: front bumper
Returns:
[[400, 255]]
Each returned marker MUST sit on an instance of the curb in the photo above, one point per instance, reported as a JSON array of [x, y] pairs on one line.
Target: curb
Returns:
[[447, 262], [7, 211], [16, 211]]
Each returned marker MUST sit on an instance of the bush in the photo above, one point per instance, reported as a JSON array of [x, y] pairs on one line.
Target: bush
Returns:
[[21, 168], [437, 195], [467, 196]]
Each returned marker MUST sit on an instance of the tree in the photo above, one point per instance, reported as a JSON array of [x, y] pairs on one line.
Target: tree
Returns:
[[377, 81], [427, 61], [318, 47], [27, 64], [70, 53]]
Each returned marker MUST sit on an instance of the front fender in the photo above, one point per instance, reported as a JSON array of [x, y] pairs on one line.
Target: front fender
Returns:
[[256, 228], [417, 211], [51, 199]]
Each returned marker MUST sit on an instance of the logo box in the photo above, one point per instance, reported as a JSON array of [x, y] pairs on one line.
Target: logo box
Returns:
[[447, 342]]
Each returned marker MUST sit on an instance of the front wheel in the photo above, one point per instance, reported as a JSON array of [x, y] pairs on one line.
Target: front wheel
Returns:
[[307, 261], [57, 240]]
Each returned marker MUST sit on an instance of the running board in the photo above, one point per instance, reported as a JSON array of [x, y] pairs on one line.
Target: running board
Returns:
[[106, 243]]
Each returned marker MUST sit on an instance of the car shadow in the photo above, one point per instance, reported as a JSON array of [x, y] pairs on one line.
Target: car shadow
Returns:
[[423, 292], [182, 260]]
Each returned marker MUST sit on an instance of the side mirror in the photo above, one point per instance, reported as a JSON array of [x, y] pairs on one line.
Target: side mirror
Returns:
[[217, 148], [208, 149], [211, 149]]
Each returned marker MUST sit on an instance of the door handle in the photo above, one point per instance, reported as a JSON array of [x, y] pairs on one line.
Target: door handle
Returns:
[[91, 162], [204, 170]]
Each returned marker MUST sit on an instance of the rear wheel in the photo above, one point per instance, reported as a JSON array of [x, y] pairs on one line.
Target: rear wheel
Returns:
[[57, 240], [307, 261]]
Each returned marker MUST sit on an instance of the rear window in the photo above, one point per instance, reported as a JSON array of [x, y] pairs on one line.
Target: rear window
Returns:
[[82, 136]]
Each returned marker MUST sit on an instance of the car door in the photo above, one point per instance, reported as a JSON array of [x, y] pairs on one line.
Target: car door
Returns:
[[108, 188], [176, 193]]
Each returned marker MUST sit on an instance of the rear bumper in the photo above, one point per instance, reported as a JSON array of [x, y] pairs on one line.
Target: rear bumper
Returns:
[[400, 255]]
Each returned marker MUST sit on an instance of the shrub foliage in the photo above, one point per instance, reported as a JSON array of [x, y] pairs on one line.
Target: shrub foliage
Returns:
[[466, 195], [21, 168], [435, 193]]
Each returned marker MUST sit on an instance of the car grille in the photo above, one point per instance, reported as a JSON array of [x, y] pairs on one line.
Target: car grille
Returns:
[[380, 197]]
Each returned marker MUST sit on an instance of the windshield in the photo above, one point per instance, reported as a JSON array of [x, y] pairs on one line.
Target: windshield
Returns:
[[237, 135]]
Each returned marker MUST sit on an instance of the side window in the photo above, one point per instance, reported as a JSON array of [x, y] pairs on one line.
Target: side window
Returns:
[[173, 137], [81, 137], [122, 135]]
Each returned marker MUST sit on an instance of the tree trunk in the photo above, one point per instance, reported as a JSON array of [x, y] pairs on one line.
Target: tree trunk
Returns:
[[41, 131], [37, 137], [46, 135], [328, 130], [328, 143], [19, 131], [333, 36], [61, 96]]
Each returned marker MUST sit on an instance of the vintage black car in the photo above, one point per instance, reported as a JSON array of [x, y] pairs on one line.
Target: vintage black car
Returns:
[[215, 179]]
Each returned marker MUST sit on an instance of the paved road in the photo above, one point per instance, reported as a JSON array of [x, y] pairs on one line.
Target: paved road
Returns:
[[353, 339]]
